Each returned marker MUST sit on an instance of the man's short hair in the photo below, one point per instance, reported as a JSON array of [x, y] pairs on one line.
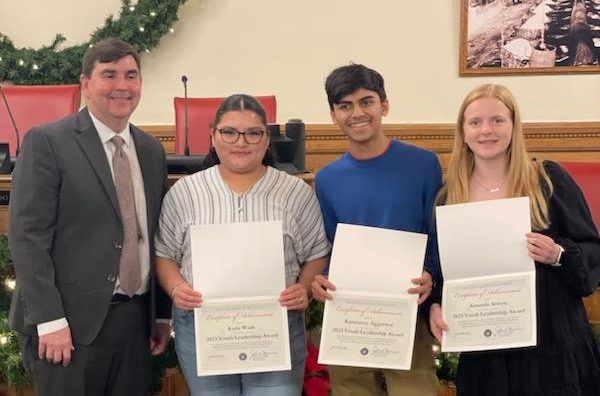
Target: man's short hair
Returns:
[[106, 51], [346, 80]]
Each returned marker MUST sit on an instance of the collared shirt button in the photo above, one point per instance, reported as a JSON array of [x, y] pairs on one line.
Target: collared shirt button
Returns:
[[111, 277]]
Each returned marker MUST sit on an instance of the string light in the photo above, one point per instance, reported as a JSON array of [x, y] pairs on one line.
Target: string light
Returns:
[[3, 340], [162, 14], [35, 67], [172, 30], [10, 283]]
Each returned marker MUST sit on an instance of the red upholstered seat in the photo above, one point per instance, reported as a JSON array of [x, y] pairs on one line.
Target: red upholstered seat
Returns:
[[587, 176], [201, 112], [33, 105]]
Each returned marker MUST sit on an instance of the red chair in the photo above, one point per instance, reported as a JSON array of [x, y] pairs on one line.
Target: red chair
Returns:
[[587, 176], [201, 112], [32, 105]]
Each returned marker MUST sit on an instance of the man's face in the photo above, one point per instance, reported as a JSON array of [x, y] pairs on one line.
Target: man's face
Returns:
[[113, 91], [359, 116]]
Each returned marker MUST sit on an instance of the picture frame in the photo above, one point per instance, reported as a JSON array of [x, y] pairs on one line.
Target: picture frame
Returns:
[[507, 37]]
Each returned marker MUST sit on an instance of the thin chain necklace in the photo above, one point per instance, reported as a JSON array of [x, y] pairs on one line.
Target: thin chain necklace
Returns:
[[490, 190]]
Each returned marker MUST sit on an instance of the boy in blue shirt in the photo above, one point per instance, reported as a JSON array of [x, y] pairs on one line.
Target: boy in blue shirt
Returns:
[[379, 182]]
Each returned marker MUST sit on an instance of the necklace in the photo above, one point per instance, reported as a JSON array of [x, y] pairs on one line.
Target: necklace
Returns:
[[490, 190]]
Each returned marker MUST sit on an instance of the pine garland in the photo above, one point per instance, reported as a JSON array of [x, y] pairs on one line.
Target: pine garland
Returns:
[[10, 357], [142, 25]]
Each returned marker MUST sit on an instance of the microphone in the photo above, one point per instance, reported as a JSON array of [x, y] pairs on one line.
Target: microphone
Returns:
[[186, 147], [12, 120]]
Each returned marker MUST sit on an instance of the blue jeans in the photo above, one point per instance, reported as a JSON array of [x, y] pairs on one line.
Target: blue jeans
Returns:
[[275, 383]]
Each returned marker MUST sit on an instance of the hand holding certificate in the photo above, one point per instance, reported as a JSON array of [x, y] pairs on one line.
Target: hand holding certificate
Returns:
[[371, 319], [241, 326], [488, 301]]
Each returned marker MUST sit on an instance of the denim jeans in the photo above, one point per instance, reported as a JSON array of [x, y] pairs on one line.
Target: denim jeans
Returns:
[[275, 383]]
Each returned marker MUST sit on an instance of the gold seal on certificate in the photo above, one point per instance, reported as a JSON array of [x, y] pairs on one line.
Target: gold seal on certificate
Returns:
[[371, 320], [241, 327], [368, 331], [242, 336], [488, 299]]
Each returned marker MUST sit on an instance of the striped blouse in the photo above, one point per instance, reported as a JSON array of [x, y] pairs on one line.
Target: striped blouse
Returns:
[[205, 198]]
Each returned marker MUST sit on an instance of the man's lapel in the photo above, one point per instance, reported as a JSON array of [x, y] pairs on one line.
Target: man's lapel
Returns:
[[89, 141]]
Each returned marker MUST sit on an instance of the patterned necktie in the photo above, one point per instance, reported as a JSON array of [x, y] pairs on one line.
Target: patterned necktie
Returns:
[[129, 265]]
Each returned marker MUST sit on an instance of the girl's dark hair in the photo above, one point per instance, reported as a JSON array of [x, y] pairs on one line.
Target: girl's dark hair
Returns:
[[238, 102]]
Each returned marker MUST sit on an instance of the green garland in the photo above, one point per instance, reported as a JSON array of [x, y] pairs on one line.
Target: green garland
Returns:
[[142, 25], [10, 357]]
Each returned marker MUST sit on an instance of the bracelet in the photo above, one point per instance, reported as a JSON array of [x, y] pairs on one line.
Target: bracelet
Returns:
[[561, 250], [175, 288]]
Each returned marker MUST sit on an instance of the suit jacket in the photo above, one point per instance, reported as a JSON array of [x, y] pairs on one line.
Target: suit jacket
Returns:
[[65, 226]]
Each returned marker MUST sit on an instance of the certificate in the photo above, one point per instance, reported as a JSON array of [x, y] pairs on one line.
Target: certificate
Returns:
[[489, 312], [241, 327], [371, 320], [242, 336], [368, 330], [489, 296]]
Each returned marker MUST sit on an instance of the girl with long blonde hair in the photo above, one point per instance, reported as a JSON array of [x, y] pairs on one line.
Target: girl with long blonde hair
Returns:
[[490, 161]]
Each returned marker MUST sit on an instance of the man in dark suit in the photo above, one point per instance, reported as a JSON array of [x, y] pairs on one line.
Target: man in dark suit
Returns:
[[81, 236]]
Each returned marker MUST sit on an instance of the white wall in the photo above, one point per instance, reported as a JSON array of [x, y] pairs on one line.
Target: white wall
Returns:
[[287, 48]]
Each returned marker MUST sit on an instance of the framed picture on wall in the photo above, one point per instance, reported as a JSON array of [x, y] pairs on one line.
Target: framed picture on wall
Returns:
[[500, 37]]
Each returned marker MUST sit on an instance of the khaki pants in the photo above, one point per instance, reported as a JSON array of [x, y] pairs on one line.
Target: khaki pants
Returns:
[[421, 380]]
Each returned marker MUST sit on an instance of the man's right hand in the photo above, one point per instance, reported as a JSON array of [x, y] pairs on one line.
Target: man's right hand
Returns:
[[319, 288], [56, 347]]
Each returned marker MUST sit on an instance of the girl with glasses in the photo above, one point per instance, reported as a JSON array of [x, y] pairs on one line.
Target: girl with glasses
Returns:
[[241, 186]]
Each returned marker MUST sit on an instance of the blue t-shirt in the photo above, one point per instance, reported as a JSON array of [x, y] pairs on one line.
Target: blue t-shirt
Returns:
[[395, 190]]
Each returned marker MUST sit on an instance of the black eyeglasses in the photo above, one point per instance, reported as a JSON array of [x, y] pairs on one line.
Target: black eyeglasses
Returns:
[[251, 136]]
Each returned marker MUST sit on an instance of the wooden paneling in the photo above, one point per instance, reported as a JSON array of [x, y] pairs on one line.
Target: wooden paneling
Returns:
[[573, 141], [592, 306], [559, 141], [164, 133], [173, 384]]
